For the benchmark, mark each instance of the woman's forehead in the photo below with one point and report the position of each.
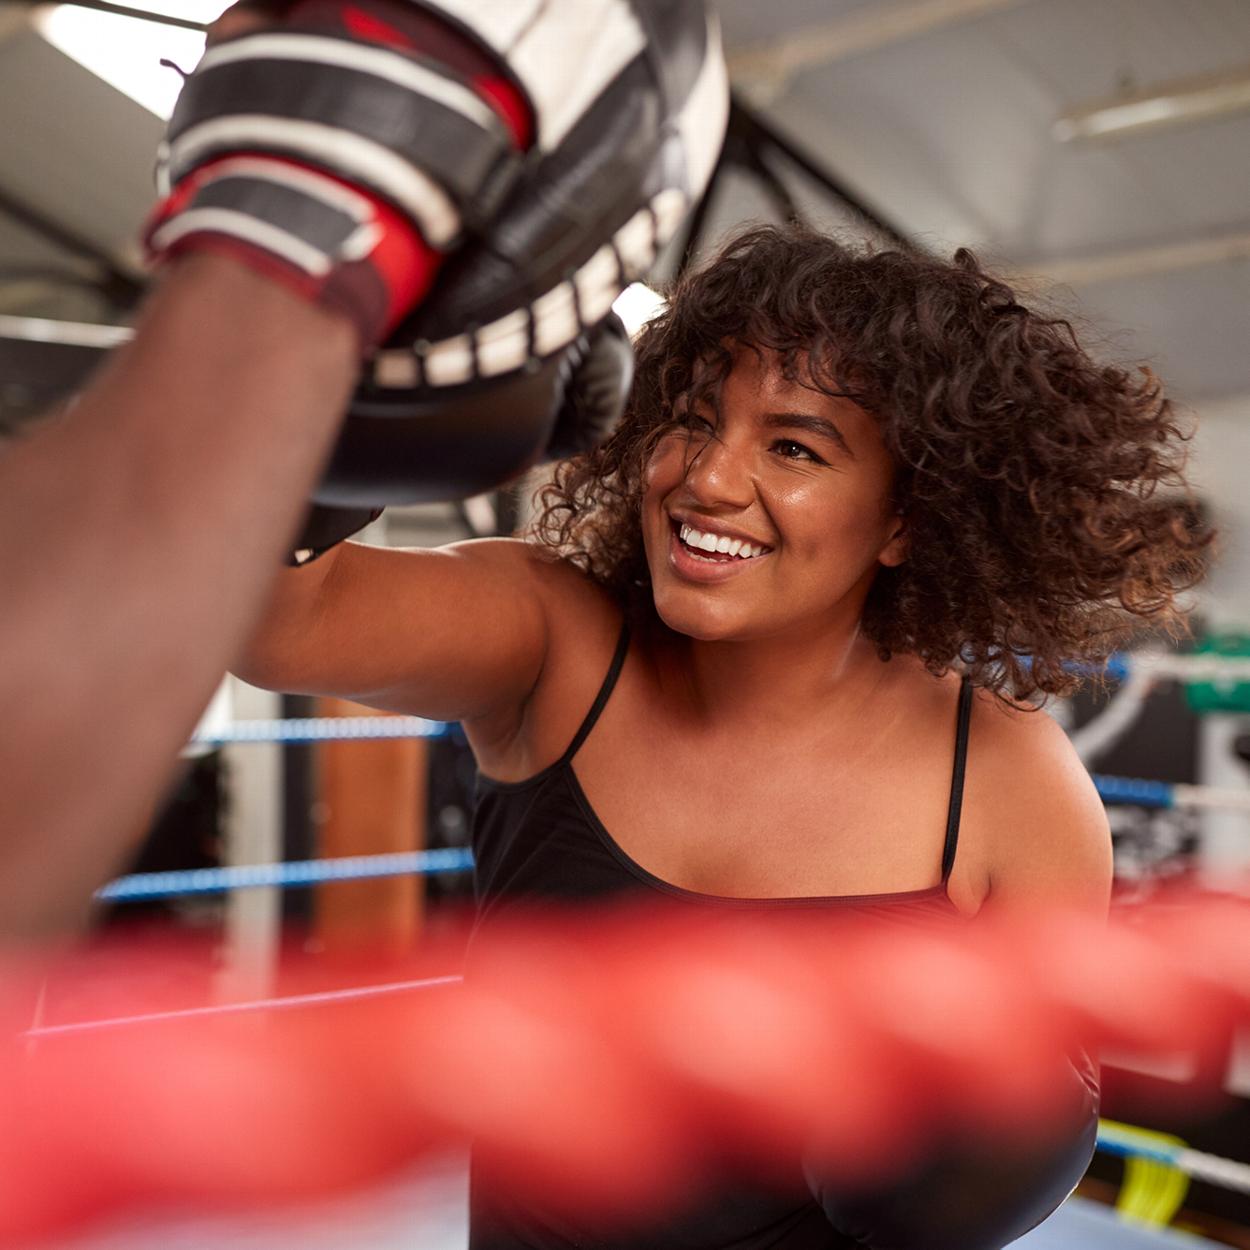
(773, 376)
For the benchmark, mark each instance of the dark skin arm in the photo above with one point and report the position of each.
(139, 533)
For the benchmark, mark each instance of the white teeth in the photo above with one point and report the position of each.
(718, 544)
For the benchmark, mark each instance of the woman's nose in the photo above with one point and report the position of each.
(720, 470)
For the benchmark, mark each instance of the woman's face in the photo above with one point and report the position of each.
(802, 478)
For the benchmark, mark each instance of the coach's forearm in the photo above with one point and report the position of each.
(138, 534)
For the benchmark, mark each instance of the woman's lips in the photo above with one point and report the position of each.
(690, 565)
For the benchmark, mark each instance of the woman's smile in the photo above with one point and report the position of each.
(691, 557)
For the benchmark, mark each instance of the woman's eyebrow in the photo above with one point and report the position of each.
(820, 426)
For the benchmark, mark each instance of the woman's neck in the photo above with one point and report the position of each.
(780, 679)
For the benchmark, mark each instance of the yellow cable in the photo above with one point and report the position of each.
(1151, 1192)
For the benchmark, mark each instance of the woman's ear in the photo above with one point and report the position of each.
(895, 550)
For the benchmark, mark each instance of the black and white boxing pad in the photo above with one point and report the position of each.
(630, 99)
(601, 373)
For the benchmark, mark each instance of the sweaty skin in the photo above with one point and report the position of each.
(750, 703)
(789, 468)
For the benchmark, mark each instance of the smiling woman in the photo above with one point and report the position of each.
(1024, 527)
(801, 477)
(717, 673)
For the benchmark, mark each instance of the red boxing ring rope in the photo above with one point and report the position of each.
(608, 1061)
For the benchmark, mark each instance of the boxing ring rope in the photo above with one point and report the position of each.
(1169, 666)
(136, 887)
(286, 1002)
(1114, 1139)
(309, 729)
(1196, 1164)
(589, 1050)
(1136, 791)
(152, 885)
(1143, 792)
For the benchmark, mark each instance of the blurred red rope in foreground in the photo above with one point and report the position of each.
(608, 1061)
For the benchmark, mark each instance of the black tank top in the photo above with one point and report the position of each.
(540, 839)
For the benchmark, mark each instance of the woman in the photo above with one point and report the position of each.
(861, 510)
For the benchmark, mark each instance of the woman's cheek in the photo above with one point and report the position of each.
(665, 467)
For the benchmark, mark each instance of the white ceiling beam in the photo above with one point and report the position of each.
(1168, 104)
(773, 63)
(1142, 262)
(72, 333)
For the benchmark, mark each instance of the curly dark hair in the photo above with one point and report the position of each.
(1028, 474)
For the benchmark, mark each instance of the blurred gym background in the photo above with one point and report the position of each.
(1097, 153)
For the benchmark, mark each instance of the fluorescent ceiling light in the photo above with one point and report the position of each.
(126, 52)
(1176, 103)
(636, 305)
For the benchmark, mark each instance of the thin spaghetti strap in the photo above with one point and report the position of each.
(601, 699)
(955, 806)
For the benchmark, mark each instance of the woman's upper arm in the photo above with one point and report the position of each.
(1046, 830)
(452, 633)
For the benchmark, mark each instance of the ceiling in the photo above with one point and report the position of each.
(938, 115)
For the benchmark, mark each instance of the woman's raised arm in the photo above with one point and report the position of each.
(455, 633)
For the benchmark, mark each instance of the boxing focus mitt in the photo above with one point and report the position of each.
(347, 147)
(468, 391)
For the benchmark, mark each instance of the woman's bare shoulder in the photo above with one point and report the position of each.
(574, 600)
(566, 591)
(583, 627)
(1043, 823)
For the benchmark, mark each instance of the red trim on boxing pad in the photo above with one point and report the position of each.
(407, 263)
(370, 26)
(506, 99)
(403, 261)
(432, 37)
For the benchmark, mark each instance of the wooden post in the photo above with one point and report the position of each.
(371, 800)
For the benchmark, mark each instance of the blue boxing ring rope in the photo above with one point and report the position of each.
(303, 730)
(150, 885)
(139, 887)
(1138, 791)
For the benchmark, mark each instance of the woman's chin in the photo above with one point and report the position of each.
(700, 621)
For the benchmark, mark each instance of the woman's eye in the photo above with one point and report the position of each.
(692, 421)
(791, 450)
